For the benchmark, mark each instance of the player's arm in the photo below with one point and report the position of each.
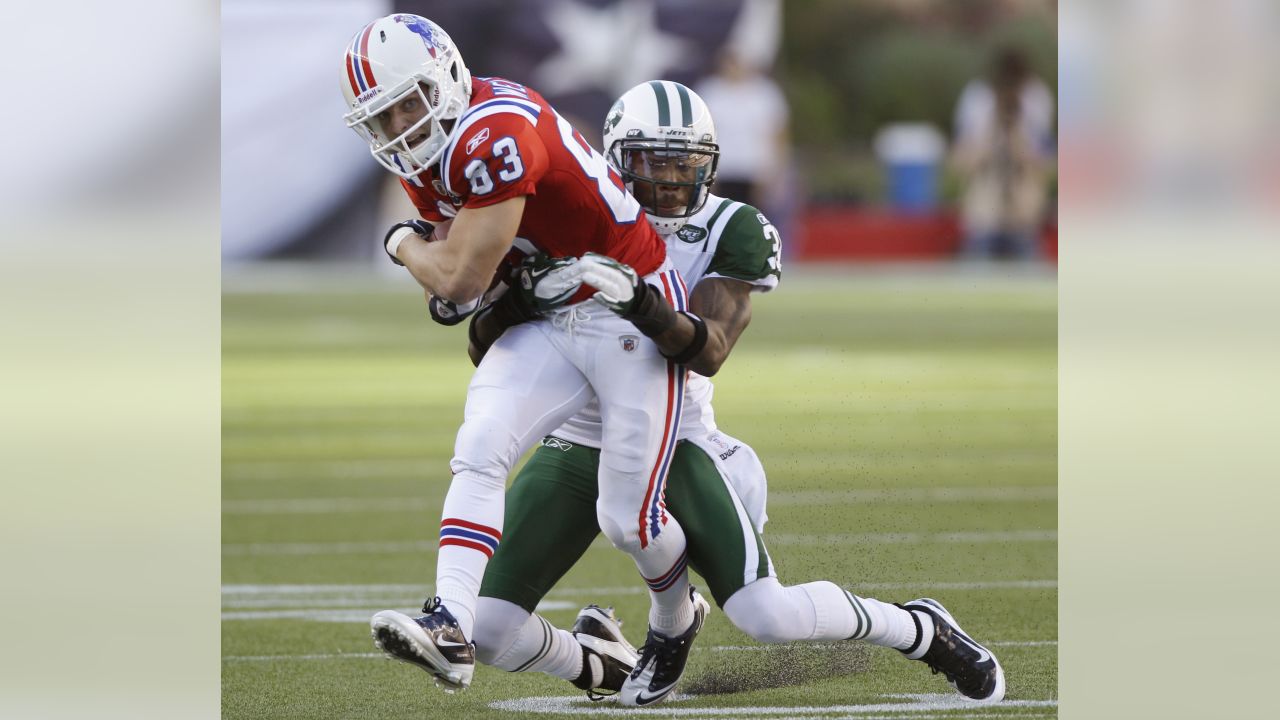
(720, 309)
(748, 258)
(724, 306)
(460, 267)
(539, 285)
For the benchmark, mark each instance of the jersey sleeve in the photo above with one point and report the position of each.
(498, 158)
(428, 206)
(750, 249)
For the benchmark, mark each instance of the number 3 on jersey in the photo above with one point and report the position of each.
(477, 171)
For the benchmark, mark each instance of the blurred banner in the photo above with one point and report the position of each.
(286, 156)
(291, 170)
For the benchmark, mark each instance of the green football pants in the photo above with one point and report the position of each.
(551, 521)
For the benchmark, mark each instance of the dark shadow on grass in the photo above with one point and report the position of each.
(773, 666)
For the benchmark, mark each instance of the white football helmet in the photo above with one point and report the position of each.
(389, 60)
(660, 137)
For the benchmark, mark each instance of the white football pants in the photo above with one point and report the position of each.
(534, 378)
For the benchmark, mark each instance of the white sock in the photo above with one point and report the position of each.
(470, 529)
(541, 647)
(670, 609)
(889, 625)
(821, 610)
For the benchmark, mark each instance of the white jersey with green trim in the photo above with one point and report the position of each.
(725, 239)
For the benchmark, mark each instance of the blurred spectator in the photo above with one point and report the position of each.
(751, 120)
(1003, 149)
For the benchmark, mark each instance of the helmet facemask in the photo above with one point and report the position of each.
(395, 153)
(670, 178)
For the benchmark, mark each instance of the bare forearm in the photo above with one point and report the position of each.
(458, 268)
(438, 268)
(725, 308)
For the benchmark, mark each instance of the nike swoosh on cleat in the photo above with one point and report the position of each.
(642, 700)
(983, 655)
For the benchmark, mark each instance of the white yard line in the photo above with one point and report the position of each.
(1004, 536)
(822, 539)
(1017, 493)
(354, 603)
(784, 498)
(334, 548)
(291, 592)
(911, 706)
(837, 646)
(712, 648)
(307, 470)
(324, 506)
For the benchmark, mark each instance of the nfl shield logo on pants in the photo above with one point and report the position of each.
(629, 342)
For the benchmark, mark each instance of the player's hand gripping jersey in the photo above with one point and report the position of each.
(511, 143)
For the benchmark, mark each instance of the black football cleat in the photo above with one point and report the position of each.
(970, 668)
(662, 660)
(433, 642)
(607, 657)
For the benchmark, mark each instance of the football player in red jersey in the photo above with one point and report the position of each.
(494, 161)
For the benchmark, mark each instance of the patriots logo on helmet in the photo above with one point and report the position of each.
(423, 29)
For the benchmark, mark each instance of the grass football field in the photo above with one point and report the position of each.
(907, 422)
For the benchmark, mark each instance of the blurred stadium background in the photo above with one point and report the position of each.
(902, 395)
(865, 172)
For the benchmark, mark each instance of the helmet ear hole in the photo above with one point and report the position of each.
(453, 70)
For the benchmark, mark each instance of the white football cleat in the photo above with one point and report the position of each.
(433, 642)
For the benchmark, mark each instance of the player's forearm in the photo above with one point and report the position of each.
(438, 267)
(712, 355)
(459, 267)
(724, 308)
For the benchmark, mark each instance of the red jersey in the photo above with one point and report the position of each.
(510, 142)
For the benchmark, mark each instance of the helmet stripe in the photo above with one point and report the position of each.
(364, 58)
(664, 108)
(351, 67)
(686, 105)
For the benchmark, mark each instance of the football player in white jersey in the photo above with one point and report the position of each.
(661, 138)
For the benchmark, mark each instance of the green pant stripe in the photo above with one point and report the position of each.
(542, 652)
(762, 568)
(864, 618)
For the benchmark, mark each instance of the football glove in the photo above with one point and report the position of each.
(617, 284)
(399, 231)
(446, 312)
(620, 289)
(546, 283)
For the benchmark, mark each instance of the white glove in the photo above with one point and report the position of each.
(615, 282)
(548, 283)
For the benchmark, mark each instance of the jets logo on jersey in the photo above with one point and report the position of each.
(629, 343)
(691, 234)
